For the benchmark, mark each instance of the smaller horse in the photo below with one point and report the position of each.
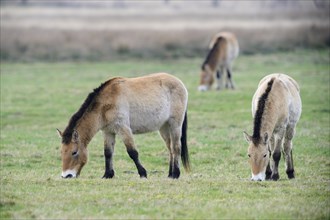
(276, 108)
(127, 106)
(223, 51)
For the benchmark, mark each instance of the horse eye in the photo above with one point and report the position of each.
(249, 155)
(265, 155)
(74, 153)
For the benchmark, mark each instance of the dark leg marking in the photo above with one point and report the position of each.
(276, 158)
(290, 173)
(170, 173)
(228, 74)
(134, 155)
(218, 74)
(268, 172)
(230, 78)
(175, 172)
(109, 172)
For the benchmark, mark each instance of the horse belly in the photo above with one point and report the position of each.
(148, 120)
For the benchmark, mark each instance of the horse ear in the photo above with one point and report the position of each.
(247, 137)
(75, 136)
(60, 134)
(265, 138)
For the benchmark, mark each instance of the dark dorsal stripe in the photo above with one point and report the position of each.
(211, 53)
(86, 106)
(260, 111)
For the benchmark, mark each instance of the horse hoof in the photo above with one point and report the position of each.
(108, 175)
(142, 172)
(290, 174)
(275, 177)
(175, 174)
(143, 176)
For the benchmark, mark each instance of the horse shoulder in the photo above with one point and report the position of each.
(111, 100)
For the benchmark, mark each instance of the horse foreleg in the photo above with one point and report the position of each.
(128, 140)
(276, 157)
(109, 144)
(268, 172)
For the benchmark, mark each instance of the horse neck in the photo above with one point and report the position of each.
(87, 128)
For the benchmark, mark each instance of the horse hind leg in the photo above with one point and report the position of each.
(288, 152)
(229, 79)
(128, 140)
(165, 134)
(219, 79)
(175, 133)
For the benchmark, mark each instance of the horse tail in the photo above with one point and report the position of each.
(184, 147)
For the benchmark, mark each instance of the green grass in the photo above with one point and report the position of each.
(37, 98)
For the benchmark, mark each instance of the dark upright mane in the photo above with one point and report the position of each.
(211, 53)
(260, 110)
(86, 106)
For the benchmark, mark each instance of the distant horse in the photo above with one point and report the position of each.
(127, 106)
(223, 51)
(276, 108)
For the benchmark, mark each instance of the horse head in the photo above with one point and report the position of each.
(74, 155)
(206, 78)
(258, 154)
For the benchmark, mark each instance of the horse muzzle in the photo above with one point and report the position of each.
(259, 177)
(69, 174)
(202, 88)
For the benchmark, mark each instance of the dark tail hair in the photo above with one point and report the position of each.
(184, 147)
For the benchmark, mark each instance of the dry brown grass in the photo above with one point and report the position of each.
(155, 30)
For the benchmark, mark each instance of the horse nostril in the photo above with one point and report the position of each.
(259, 180)
(69, 176)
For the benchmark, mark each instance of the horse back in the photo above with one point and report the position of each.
(145, 103)
(284, 100)
(228, 45)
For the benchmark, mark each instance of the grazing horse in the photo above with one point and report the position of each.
(276, 108)
(223, 50)
(127, 106)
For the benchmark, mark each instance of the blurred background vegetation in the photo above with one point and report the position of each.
(71, 30)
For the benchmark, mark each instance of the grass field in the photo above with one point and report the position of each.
(37, 98)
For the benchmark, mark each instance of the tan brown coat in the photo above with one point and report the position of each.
(127, 106)
(276, 108)
(224, 50)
